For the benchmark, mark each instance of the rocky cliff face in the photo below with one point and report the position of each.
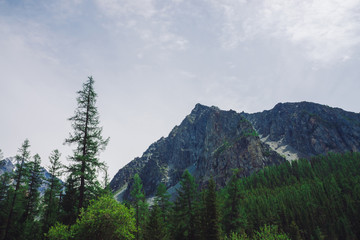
(211, 142)
(208, 142)
(306, 129)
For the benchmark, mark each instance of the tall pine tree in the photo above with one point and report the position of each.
(35, 180)
(19, 175)
(52, 194)
(162, 199)
(234, 214)
(212, 220)
(87, 136)
(186, 220)
(32, 228)
(140, 205)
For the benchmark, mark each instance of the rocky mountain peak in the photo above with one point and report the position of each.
(212, 142)
(208, 142)
(307, 129)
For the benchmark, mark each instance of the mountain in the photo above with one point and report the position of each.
(212, 142)
(304, 129)
(208, 142)
(9, 165)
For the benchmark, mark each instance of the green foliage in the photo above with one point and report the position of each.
(59, 232)
(234, 217)
(35, 180)
(156, 227)
(105, 218)
(87, 137)
(315, 199)
(249, 133)
(267, 232)
(17, 193)
(162, 199)
(270, 233)
(212, 214)
(140, 205)
(52, 194)
(186, 218)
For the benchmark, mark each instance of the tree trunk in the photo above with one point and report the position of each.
(82, 177)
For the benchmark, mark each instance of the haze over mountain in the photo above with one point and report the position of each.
(212, 142)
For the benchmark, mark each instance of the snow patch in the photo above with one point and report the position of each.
(281, 148)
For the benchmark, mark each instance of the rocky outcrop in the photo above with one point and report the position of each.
(208, 142)
(211, 142)
(306, 129)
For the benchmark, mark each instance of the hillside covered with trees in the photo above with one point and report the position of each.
(302, 199)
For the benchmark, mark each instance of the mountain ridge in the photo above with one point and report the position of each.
(212, 142)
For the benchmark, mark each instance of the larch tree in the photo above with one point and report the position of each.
(52, 194)
(162, 199)
(87, 136)
(186, 220)
(31, 228)
(140, 205)
(234, 214)
(212, 220)
(19, 175)
(35, 180)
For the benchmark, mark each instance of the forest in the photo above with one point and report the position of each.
(303, 199)
(317, 199)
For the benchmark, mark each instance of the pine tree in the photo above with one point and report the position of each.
(212, 223)
(234, 214)
(52, 194)
(139, 203)
(19, 175)
(162, 199)
(35, 180)
(69, 211)
(155, 228)
(186, 220)
(32, 199)
(87, 137)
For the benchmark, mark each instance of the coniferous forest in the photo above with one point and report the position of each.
(302, 199)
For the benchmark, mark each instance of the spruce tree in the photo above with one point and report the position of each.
(186, 220)
(87, 136)
(69, 211)
(140, 205)
(35, 180)
(155, 228)
(52, 194)
(19, 175)
(212, 220)
(234, 214)
(31, 227)
(162, 199)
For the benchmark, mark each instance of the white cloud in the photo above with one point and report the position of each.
(326, 30)
(147, 19)
(116, 8)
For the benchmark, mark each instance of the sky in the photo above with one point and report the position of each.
(153, 60)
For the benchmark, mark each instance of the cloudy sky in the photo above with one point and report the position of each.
(153, 60)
